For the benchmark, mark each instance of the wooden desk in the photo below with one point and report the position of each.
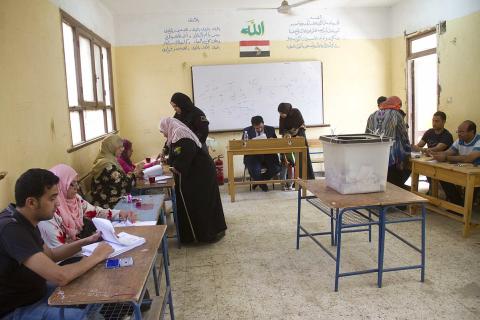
(123, 285)
(354, 213)
(466, 176)
(169, 186)
(265, 146)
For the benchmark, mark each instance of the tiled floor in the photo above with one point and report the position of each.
(254, 272)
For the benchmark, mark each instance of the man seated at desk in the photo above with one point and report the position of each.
(26, 263)
(465, 149)
(437, 138)
(255, 163)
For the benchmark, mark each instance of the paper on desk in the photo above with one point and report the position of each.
(156, 170)
(162, 179)
(120, 243)
(117, 248)
(260, 137)
(127, 223)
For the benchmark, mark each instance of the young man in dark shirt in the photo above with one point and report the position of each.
(26, 263)
(437, 138)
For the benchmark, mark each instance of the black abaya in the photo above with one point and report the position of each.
(199, 187)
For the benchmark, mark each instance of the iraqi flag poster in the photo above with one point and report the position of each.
(254, 48)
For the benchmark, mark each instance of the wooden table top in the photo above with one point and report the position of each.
(100, 285)
(149, 209)
(264, 144)
(393, 195)
(144, 184)
(467, 168)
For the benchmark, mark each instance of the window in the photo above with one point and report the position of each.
(422, 82)
(89, 89)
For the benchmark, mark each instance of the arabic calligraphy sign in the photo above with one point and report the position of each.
(314, 32)
(191, 39)
(252, 29)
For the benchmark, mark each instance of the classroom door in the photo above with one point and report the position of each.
(422, 84)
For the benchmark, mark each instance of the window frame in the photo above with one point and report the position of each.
(79, 30)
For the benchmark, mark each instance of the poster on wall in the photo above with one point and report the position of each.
(252, 47)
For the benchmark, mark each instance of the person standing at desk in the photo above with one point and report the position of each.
(291, 123)
(26, 263)
(191, 116)
(389, 122)
(465, 149)
(199, 210)
(255, 163)
(437, 138)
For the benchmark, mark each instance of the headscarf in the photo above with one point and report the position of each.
(284, 107)
(106, 155)
(127, 145)
(182, 101)
(392, 102)
(175, 130)
(68, 209)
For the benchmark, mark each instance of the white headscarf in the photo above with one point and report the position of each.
(175, 130)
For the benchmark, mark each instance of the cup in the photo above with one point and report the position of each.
(147, 160)
(151, 180)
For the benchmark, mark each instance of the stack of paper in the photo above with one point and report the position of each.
(162, 179)
(120, 243)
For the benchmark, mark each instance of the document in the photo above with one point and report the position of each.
(162, 179)
(120, 243)
(260, 137)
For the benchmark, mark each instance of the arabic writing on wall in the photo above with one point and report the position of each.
(191, 38)
(252, 29)
(314, 32)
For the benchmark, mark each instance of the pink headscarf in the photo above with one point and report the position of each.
(68, 209)
(175, 130)
(392, 102)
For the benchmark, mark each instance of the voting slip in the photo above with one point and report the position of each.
(120, 243)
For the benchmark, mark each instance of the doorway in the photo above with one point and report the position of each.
(422, 82)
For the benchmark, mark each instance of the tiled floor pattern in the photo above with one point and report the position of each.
(254, 272)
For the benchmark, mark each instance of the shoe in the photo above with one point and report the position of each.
(254, 186)
(264, 187)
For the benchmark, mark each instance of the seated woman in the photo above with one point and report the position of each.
(292, 123)
(199, 207)
(109, 181)
(69, 221)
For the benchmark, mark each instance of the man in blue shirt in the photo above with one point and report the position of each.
(465, 149)
(255, 163)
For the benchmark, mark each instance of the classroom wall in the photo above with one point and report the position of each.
(35, 129)
(458, 70)
(354, 74)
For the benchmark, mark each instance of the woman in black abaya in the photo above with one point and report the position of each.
(199, 207)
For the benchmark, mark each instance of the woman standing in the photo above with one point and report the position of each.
(199, 208)
(191, 116)
(291, 122)
(109, 181)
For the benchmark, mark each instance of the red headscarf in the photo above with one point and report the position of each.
(392, 102)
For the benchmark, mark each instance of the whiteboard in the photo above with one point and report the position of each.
(230, 95)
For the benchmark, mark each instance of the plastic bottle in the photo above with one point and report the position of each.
(245, 138)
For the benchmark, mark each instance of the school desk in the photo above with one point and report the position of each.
(125, 285)
(465, 175)
(265, 146)
(357, 213)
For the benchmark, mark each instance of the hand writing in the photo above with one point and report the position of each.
(103, 250)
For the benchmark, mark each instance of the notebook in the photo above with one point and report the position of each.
(120, 243)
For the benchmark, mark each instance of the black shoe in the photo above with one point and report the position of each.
(264, 187)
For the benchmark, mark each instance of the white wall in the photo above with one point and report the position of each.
(91, 13)
(415, 15)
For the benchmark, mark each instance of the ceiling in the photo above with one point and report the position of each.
(134, 7)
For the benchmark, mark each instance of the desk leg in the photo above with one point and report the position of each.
(332, 228)
(167, 277)
(424, 217)
(299, 206)
(297, 170)
(434, 188)
(231, 177)
(414, 187)
(305, 170)
(339, 245)
(381, 243)
(468, 204)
